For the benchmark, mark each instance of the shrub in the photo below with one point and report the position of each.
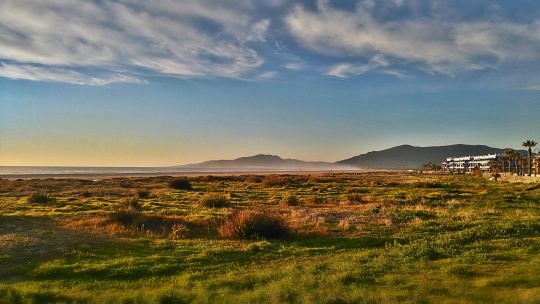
(142, 194)
(179, 231)
(180, 184)
(253, 179)
(273, 180)
(431, 185)
(315, 200)
(352, 199)
(214, 200)
(86, 194)
(41, 199)
(422, 249)
(127, 212)
(130, 203)
(289, 200)
(477, 172)
(249, 224)
(125, 217)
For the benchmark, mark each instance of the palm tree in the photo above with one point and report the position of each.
(503, 163)
(509, 157)
(494, 166)
(529, 144)
(516, 157)
(521, 162)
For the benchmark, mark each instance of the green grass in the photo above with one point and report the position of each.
(368, 238)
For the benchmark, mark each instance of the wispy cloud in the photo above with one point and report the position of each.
(343, 70)
(267, 75)
(107, 41)
(296, 66)
(437, 41)
(21, 71)
(532, 87)
(51, 40)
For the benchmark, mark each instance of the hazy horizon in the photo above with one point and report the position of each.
(232, 158)
(164, 83)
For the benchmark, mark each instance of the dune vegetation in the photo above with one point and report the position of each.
(333, 238)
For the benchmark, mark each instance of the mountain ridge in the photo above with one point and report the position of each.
(400, 157)
(267, 161)
(413, 157)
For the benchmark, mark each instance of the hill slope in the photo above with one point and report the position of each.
(265, 161)
(411, 157)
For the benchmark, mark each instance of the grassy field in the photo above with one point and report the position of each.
(365, 238)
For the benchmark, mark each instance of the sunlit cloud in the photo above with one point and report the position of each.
(344, 70)
(21, 71)
(267, 75)
(437, 42)
(296, 66)
(102, 42)
(189, 38)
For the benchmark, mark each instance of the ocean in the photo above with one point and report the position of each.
(52, 170)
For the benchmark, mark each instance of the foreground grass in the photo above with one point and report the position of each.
(369, 238)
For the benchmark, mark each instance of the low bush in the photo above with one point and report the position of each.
(127, 212)
(179, 231)
(41, 199)
(130, 203)
(289, 200)
(86, 194)
(249, 224)
(477, 172)
(352, 199)
(214, 200)
(315, 200)
(180, 184)
(142, 193)
(431, 185)
(273, 181)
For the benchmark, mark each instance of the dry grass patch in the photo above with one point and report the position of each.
(249, 224)
(41, 199)
(159, 226)
(215, 200)
(290, 200)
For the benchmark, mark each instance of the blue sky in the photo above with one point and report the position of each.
(140, 83)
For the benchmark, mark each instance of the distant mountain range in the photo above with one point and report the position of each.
(411, 157)
(267, 162)
(400, 157)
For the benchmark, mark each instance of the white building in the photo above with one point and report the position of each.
(468, 163)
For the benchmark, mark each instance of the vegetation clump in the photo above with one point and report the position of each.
(290, 200)
(352, 199)
(315, 200)
(41, 199)
(143, 193)
(180, 184)
(275, 181)
(127, 212)
(252, 224)
(215, 200)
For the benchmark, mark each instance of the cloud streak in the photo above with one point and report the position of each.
(53, 40)
(111, 41)
(435, 42)
(18, 71)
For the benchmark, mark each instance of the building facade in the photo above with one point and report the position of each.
(468, 163)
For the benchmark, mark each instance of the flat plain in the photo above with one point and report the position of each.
(383, 237)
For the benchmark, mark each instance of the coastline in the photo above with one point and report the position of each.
(176, 174)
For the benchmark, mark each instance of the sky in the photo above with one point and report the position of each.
(164, 82)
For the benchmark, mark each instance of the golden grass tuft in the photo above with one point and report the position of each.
(249, 224)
